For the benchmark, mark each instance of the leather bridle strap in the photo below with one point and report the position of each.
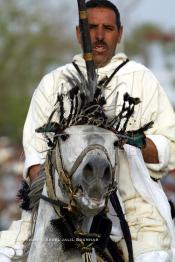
(84, 153)
(53, 159)
(49, 183)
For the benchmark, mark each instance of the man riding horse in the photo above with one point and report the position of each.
(146, 210)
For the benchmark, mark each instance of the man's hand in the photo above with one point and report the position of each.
(150, 153)
(33, 172)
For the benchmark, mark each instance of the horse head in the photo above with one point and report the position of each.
(89, 161)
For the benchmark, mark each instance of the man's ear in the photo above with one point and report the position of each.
(120, 34)
(78, 34)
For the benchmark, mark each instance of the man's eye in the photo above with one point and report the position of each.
(109, 28)
(92, 26)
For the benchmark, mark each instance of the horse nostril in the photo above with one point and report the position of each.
(107, 174)
(88, 171)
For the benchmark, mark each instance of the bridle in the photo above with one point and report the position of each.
(54, 162)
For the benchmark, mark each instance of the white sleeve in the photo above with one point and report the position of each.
(159, 110)
(41, 106)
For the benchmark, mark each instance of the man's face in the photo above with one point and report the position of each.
(104, 34)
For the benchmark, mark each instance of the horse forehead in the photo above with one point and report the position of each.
(91, 134)
(82, 136)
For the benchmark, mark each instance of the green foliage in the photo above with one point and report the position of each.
(138, 42)
(34, 39)
(143, 37)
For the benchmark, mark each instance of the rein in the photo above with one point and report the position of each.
(50, 188)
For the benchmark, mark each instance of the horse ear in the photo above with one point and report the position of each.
(51, 127)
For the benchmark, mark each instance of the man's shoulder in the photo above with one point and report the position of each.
(60, 70)
(128, 68)
(136, 66)
(51, 82)
(141, 75)
(69, 67)
(58, 75)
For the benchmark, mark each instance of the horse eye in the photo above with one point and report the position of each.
(116, 143)
(64, 137)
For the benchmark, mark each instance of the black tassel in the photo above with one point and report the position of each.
(82, 100)
(23, 196)
(101, 225)
(126, 97)
(50, 127)
(71, 108)
(61, 104)
(75, 90)
(75, 107)
(65, 233)
(102, 101)
(97, 93)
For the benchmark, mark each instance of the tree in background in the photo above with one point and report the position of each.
(144, 39)
(138, 44)
(34, 39)
(143, 36)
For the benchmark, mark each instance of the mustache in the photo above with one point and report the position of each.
(99, 42)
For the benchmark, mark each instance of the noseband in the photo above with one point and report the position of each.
(54, 161)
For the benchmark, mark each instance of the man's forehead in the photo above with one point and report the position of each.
(100, 9)
(101, 14)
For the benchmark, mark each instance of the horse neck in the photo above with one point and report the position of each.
(46, 244)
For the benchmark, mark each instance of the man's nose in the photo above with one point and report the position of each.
(100, 34)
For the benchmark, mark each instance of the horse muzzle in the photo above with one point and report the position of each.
(91, 182)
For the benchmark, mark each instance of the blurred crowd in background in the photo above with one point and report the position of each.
(11, 167)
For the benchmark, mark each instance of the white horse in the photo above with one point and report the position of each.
(85, 164)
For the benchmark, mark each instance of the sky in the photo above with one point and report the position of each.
(159, 11)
